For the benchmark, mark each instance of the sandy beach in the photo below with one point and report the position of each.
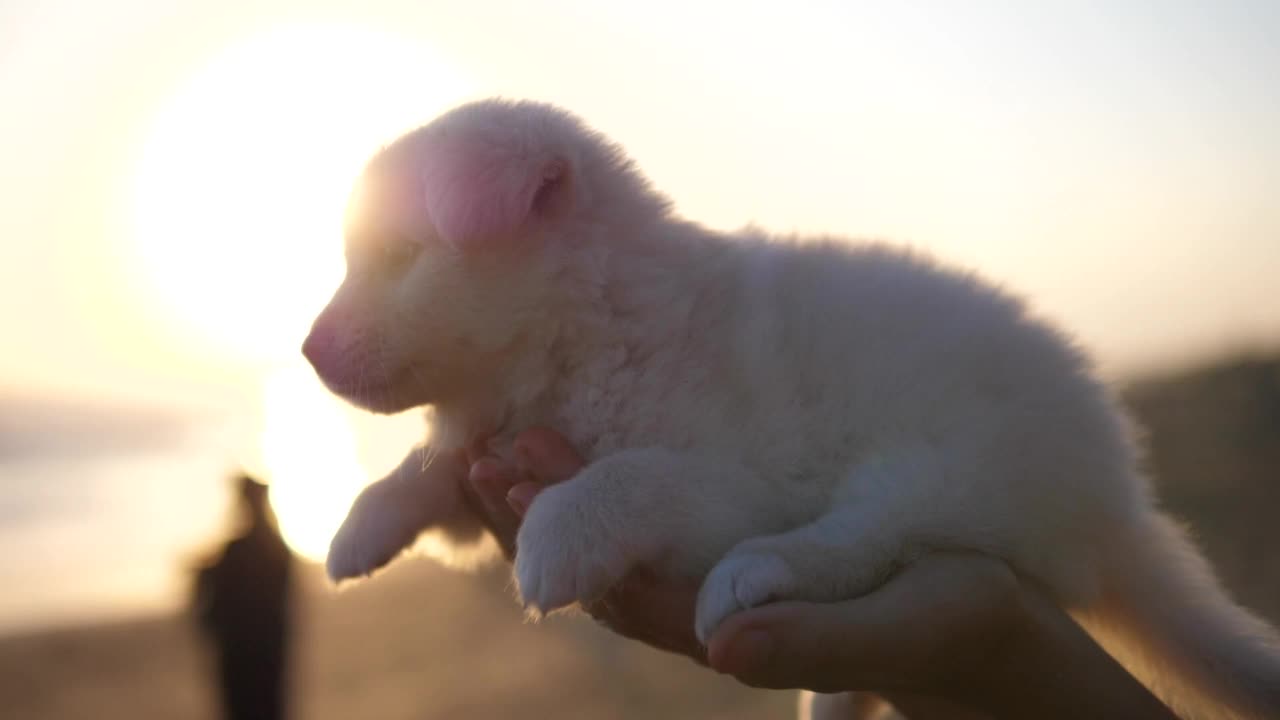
(420, 642)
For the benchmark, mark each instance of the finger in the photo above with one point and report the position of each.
(490, 481)
(823, 647)
(939, 616)
(521, 495)
(547, 456)
(791, 645)
(657, 613)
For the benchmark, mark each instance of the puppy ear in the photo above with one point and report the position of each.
(476, 193)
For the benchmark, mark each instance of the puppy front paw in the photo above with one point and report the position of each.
(742, 580)
(565, 553)
(372, 535)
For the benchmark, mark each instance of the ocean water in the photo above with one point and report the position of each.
(91, 531)
(105, 509)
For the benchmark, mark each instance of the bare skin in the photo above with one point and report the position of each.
(950, 636)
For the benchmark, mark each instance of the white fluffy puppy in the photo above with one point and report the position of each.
(793, 420)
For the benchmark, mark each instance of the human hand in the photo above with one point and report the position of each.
(947, 634)
(915, 615)
(657, 612)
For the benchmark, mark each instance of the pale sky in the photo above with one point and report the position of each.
(171, 178)
(1117, 162)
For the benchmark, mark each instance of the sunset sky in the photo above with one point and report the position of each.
(171, 177)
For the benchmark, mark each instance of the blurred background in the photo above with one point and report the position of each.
(171, 183)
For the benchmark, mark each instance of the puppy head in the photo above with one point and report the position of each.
(450, 238)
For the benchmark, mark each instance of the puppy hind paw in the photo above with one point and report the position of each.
(739, 582)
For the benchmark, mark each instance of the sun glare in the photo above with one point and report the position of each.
(239, 195)
(310, 456)
(242, 179)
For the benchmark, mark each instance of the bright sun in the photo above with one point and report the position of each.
(239, 195)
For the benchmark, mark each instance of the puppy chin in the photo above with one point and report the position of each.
(384, 399)
(381, 404)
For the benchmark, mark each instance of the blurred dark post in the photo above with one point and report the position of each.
(242, 602)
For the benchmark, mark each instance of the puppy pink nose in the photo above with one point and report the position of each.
(318, 349)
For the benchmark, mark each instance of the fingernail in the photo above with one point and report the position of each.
(749, 651)
(520, 496)
(481, 473)
(489, 480)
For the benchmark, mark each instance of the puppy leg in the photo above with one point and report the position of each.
(644, 506)
(387, 517)
(882, 518)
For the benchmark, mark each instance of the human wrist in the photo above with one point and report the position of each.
(1045, 665)
(1028, 647)
(1003, 644)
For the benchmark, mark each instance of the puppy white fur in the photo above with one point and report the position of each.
(792, 419)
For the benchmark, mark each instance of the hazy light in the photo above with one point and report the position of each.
(240, 188)
(309, 455)
(239, 197)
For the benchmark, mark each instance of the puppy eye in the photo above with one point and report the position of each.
(397, 253)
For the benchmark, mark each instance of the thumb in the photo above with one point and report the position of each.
(943, 617)
(829, 647)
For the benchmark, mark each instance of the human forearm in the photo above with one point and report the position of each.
(1050, 668)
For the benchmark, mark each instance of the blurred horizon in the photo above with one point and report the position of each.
(174, 176)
